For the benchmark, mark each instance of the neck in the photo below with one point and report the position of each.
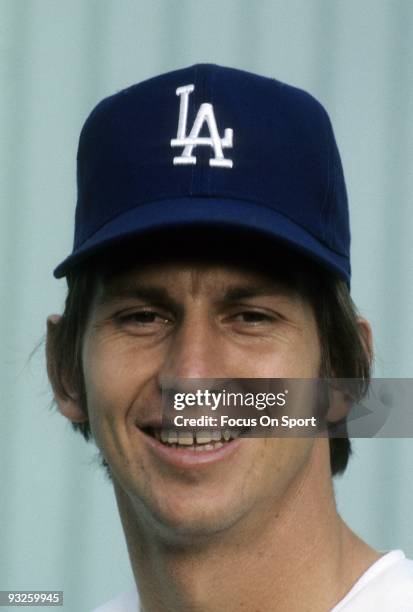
(295, 554)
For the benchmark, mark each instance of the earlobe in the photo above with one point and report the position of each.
(340, 404)
(70, 408)
(66, 398)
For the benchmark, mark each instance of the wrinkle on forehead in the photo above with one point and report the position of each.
(176, 278)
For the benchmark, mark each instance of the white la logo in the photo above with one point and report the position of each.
(205, 113)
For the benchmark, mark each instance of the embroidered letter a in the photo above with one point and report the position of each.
(205, 114)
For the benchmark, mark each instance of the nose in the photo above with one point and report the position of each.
(196, 351)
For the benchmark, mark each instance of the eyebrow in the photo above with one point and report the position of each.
(162, 297)
(237, 293)
(157, 295)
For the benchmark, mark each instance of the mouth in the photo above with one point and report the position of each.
(198, 441)
(191, 448)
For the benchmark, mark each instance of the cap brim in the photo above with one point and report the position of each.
(187, 212)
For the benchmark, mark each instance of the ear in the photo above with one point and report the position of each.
(339, 406)
(340, 401)
(66, 397)
(366, 336)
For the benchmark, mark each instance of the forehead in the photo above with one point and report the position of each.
(195, 277)
(203, 258)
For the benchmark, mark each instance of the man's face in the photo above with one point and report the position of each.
(179, 320)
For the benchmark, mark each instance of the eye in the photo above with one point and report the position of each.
(253, 317)
(143, 318)
(146, 316)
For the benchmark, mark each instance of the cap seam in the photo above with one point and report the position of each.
(324, 206)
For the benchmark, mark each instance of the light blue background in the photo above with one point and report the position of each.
(59, 527)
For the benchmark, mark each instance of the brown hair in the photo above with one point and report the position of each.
(343, 347)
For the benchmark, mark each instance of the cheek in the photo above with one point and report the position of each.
(113, 379)
(295, 454)
(298, 359)
(277, 464)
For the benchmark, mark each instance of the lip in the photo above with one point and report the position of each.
(182, 458)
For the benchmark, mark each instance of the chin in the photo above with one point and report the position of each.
(183, 512)
(189, 530)
(193, 519)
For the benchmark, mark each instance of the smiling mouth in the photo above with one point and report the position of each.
(198, 441)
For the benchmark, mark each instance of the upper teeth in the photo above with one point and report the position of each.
(189, 438)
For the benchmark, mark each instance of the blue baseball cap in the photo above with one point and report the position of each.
(211, 146)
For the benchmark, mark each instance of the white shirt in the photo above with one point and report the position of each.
(386, 586)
